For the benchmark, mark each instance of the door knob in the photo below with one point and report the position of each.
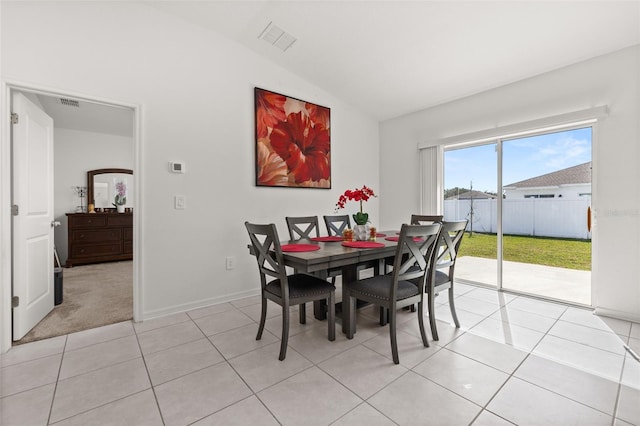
(55, 223)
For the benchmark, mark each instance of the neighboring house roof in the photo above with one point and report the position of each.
(579, 174)
(469, 194)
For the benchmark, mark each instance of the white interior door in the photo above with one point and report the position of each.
(32, 144)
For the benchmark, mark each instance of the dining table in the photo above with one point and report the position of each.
(326, 254)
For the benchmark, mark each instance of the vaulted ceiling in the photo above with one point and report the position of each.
(390, 58)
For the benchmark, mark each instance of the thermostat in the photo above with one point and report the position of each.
(176, 167)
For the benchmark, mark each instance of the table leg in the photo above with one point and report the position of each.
(349, 274)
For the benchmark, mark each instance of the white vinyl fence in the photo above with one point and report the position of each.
(540, 217)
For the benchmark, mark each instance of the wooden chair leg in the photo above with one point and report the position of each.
(453, 307)
(332, 316)
(393, 336)
(285, 333)
(432, 314)
(423, 334)
(303, 313)
(384, 316)
(263, 317)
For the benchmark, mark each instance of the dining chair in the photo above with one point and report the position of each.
(421, 219)
(416, 219)
(337, 224)
(302, 227)
(403, 287)
(442, 274)
(282, 289)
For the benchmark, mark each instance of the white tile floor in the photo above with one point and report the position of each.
(514, 361)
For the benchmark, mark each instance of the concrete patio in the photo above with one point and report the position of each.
(546, 281)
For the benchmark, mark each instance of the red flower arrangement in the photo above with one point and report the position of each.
(362, 194)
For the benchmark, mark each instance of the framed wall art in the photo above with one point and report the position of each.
(293, 142)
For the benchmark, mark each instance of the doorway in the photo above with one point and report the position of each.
(527, 200)
(88, 132)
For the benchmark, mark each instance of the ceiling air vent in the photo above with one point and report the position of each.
(277, 37)
(69, 102)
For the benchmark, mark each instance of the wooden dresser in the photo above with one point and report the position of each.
(99, 237)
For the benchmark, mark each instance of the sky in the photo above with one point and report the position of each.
(523, 158)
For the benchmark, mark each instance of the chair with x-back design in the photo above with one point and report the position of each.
(303, 227)
(285, 290)
(337, 224)
(403, 287)
(441, 276)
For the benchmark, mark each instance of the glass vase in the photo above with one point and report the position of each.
(361, 232)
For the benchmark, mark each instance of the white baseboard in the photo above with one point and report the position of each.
(612, 313)
(147, 315)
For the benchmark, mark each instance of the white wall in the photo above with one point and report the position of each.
(195, 90)
(75, 153)
(608, 80)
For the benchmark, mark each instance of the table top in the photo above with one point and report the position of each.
(334, 254)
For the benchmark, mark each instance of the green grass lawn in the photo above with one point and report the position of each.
(561, 252)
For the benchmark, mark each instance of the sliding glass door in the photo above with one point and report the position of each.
(546, 243)
(471, 188)
(527, 201)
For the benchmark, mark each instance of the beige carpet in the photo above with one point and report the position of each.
(94, 295)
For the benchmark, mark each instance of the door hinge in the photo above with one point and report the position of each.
(15, 301)
(14, 118)
(15, 210)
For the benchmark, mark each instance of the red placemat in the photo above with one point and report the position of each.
(362, 244)
(300, 247)
(327, 239)
(378, 235)
(416, 239)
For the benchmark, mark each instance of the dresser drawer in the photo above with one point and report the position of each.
(128, 234)
(96, 236)
(87, 221)
(82, 250)
(119, 219)
(128, 247)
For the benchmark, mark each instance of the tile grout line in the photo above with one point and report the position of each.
(512, 375)
(153, 388)
(55, 388)
(549, 390)
(225, 360)
(619, 393)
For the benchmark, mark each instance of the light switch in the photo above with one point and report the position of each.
(180, 202)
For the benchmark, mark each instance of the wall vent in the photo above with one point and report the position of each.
(277, 37)
(69, 102)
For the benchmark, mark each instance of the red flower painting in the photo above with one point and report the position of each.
(293, 142)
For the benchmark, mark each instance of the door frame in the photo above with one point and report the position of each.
(6, 175)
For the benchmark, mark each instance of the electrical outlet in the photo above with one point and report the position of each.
(231, 262)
